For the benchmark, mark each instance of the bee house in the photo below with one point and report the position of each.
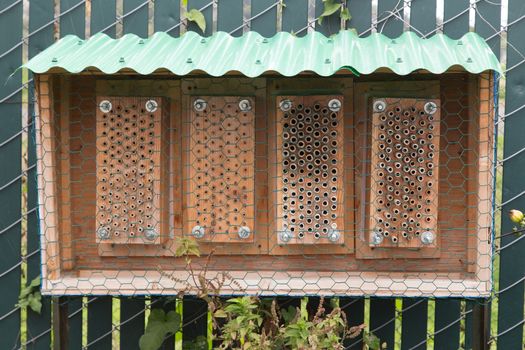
(323, 175)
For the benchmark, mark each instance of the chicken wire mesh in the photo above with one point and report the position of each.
(384, 188)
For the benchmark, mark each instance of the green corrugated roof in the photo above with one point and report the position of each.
(252, 54)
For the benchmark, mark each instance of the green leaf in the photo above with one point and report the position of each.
(330, 7)
(220, 314)
(34, 301)
(288, 314)
(345, 14)
(172, 324)
(372, 341)
(151, 341)
(30, 296)
(196, 16)
(184, 3)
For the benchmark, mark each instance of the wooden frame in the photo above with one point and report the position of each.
(297, 270)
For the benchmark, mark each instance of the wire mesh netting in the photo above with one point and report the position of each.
(345, 194)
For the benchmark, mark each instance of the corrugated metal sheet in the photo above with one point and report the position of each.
(252, 54)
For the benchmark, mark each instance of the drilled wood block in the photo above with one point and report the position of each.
(221, 206)
(403, 209)
(310, 170)
(132, 169)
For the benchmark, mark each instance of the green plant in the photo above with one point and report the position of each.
(30, 296)
(160, 325)
(332, 6)
(195, 16)
(251, 322)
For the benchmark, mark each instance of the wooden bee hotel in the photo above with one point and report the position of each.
(300, 165)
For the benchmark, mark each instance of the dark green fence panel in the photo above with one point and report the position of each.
(74, 322)
(422, 16)
(194, 319)
(388, 22)
(469, 326)
(73, 17)
(330, 25)
(361, 12)
(136, 17)
(103, 17)
(488, 22)
(354, 308)
(131, 322)
(455, 18)
(10, 181)
(382, 319)
(295, 17)
(446, 324)
(167, 17)
(40, 21)
(414, 327)
(264, 24)
(512, 259)
(230, 16)
(99, 323)
(207, 11)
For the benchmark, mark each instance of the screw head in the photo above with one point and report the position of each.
(376, 238)
(379, 106)
(334, 105)
(151, 106)
(103, 233)
(427, 237)
(245, 105)
(285, 105)
(105, 106)
(285, 236)
(198, 231)
(199, 105)
(150, 234)
(430, 107)
(244, 232)
(334, 235)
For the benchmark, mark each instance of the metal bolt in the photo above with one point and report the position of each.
(334, 105)
(245, 105)
(189, 60)
(197, 231)
(430, 107)
(376, 238)
(285, 236)
(334, 235)
(379, 106)
(151, 105)
(121, 60)
(141, 42)
(244, 232)
(103, 233)
(54, 60)
(105, 106)
(285, 105)
(150, 234)
(327, 61)
(427, 237)
(200, 105)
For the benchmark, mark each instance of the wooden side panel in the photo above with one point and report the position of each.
(222, 169)
(310, 181)
(132, 133)
(46, 134)
(405, 173)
